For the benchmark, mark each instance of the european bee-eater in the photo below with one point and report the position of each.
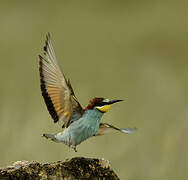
(78, 123)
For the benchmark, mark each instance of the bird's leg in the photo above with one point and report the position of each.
(74, 147)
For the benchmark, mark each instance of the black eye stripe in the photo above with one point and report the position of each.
(101, 103)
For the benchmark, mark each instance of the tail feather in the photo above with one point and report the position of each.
(128, 130)
(51, 137)
(105, 128)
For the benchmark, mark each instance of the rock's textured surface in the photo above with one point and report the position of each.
(75, 168)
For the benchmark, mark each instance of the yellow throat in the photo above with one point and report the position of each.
(104, 108)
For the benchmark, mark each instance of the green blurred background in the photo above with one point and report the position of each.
(112, 49)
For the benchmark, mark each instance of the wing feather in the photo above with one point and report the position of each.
(56, 90)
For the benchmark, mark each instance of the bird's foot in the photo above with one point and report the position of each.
(74, 147)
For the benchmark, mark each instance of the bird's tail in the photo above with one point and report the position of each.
(105, 128)
(51, 137)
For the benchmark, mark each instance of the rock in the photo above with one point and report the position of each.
(75, 168)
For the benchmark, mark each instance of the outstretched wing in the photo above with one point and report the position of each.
(105, 128)
(56, 90)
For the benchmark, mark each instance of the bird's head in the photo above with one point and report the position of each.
(101, 104)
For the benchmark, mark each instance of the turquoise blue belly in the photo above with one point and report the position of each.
(82, 129)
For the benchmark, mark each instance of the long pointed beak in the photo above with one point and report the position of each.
(114, 101)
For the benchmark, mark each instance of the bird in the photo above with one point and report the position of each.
(78, 123)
